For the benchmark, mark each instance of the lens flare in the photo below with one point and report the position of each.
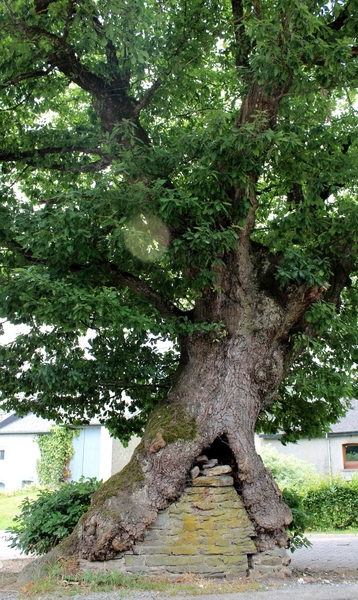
(146, 237)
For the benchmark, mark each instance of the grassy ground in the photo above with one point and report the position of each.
(66, 581)
(10, 503)
(65, 577)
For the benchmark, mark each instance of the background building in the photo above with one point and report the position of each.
(335, 453)
(97, 454)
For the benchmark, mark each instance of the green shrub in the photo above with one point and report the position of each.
(45, 521)
(288, 471)
(292, 477)
(332, 504)
(300, 519)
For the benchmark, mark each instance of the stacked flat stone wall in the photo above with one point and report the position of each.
(206, 532)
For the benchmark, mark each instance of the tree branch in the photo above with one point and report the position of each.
(113, 104)
(30, 157)
(112, 59)
(71, 10)
(242, 41)
(41, 6)
(115, 278)
(342, 18)
(145, 100)
(93, 167)
(141, 288)
(342, 268)
(40, 152)
(33, 74)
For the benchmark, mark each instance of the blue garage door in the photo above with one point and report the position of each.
(87, 453)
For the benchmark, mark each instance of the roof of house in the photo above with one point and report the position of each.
(29, 424)
(3, 415)
(12, 424)
(349, 423)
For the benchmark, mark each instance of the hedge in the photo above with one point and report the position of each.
(332, 504)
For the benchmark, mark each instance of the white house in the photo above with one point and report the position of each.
(336, 453)
(97, 454)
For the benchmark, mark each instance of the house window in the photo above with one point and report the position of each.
(2, 454)
(350, 456)
(26, 482)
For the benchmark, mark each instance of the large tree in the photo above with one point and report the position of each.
(180, 171)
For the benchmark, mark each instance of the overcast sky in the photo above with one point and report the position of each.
(11, 331)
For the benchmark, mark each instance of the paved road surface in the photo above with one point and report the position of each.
(338, 551)
(7, 553)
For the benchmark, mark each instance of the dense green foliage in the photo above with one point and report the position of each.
(293, 477)
(332, 504)
(43, 522)
(132, 161)
(56, 451)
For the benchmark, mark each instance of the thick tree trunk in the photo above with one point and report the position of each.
(221, 386)
(216, 395)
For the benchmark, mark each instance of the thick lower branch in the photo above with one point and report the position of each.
(21, 155)
(142, 288)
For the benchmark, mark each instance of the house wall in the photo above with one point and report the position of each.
(97, 454)
(19, 464)
(121, 455)
(106, 454)
(326, 454)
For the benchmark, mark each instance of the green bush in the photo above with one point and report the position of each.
(292, 476)
(288, 471)
(45, 521)
(332, 504)
(300, 519)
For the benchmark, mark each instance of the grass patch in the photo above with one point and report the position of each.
(65, 576)
(10, 504)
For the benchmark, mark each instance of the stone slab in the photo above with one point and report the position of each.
(194, 472)
(214, 471)
(218, 481)
(211, 463)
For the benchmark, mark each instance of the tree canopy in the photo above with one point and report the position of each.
(140, 140)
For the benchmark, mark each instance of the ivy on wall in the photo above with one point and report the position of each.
(56, 451)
